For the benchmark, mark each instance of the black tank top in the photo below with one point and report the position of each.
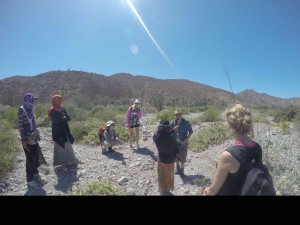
(234, 181)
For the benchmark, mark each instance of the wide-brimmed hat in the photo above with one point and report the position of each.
(109, 123)
(137, 101)
(177, 111)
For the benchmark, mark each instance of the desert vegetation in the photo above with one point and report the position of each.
(277, 130)
(97, 188)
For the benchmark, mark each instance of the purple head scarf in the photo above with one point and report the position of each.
(28, 104)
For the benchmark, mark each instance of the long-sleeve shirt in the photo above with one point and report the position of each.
(60, 127)
(183, 130)
(25, 124)
(110, 136)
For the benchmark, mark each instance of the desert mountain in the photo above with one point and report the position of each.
(251, 97)
(102, 89)
(122, 88)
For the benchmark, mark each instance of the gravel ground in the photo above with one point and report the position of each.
(133, 171)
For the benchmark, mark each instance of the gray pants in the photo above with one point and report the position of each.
(181, 156)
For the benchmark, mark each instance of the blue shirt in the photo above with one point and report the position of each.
(183, 130)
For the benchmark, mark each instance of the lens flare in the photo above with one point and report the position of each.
(131, 6)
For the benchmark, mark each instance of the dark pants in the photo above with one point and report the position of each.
(32, 162)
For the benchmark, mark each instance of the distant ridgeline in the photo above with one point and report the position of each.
(79, 87)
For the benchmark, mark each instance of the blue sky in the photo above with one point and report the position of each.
(258, 41)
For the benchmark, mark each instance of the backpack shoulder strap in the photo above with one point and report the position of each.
(235, 151)
(239, 153)
(24, 111)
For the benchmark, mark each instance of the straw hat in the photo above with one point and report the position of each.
(178, 111)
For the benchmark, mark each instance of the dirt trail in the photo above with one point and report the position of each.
(133, 171)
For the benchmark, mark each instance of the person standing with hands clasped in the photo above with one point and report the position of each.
(29, 138)
(63, 155)
(230, 175)
(132, 121)
(182, 132)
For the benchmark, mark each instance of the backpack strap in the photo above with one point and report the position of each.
(29, 120)
(240, 154)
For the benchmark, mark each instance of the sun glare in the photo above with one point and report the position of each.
(133, 9)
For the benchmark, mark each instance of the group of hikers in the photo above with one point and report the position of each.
(170, 138)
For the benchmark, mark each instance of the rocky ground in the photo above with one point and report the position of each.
(133, 171)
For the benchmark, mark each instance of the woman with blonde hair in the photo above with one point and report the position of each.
(230, 175)
(132, 121)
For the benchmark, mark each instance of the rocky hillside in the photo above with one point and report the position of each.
(251, 97)
(101, 89)
(123, 87)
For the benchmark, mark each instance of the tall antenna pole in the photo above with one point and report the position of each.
(227, 74)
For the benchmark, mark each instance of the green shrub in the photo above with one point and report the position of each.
(296, 122)
(76, 113)
(10, 147)
(212, 114)
(80, 129)
(282, 159)
(122, 132)
(287, 114)
(151, 121)
(120, 109)
(10, 114)
(165, 114)
(198, 109)
(148, 109)
(96, 188)
(285, 127)
(196, 120)
(215, 134)
(107, 114)
(41, 110)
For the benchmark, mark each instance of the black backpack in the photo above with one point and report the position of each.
(258, 181)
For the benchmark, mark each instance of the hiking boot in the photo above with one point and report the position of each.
(57, 169)
(32, 183)
(181, 172)
(177, 169)
(39, 178)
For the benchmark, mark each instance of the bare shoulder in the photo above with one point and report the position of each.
(226, 157)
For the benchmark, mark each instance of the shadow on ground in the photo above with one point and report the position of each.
(114, 155)
(65, 179)
(198, 180)
(146, 151)
(35, 191)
